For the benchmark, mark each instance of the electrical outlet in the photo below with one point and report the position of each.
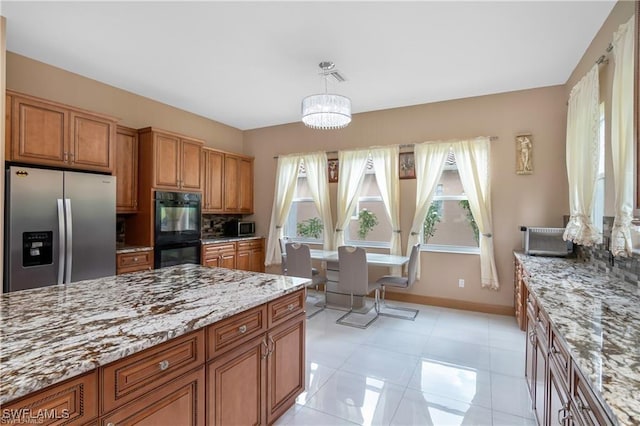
(461, 283)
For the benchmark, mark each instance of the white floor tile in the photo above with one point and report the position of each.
(510, 395)
(328, 351)
(511, 340)
(468, 385)
(462, 332)
(360, 399)
(308, 417)
(460, 353)
(504, 419)
(317, 376)
(381, 364)
(419, 408)
(398, 341)
(507, 362)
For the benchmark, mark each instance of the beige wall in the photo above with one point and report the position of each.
(39, 79)
(538, 199)
(3, 58)
(622, 11)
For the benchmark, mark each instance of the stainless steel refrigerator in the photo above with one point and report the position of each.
(60, 227)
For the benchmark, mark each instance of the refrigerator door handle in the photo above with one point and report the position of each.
(67, 205)
(61, 241)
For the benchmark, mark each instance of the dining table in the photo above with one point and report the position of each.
(337, 299)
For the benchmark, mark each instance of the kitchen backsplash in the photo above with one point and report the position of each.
(213, 225)
(624, 268)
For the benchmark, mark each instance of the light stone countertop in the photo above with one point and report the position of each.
(227, 239)
(58, 332)
(598, 317)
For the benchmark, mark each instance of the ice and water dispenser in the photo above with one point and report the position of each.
(37, 248)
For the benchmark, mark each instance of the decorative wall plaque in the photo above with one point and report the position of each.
(524, 155)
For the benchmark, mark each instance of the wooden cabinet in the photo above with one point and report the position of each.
(73, 402)
(213, 185)
(250, 255)
(52, 134)
(255, 382)
(236, 330)
(221, 255)
(126, 170)
(179, 402)
(134, 262)
(520, 295)
(176, 160)
(559, 393)
(238, 184)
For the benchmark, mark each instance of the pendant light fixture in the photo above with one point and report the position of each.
(326, 111)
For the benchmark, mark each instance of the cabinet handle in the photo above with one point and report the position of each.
(266, 348)
(564, 414)
(242, 329)
(290, 307)
(532, 337)
(65, 156)
(554, 351)
(163, 365)
(272, 344)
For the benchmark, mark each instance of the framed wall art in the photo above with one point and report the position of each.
(332, 170)
(407, 166)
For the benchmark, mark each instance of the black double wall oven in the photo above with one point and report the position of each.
(177, 228)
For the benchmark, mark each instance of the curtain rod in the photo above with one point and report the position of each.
(603, 58)
(404, 145)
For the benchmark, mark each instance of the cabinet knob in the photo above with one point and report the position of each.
(163, 365)
(242, 329)
(581, 406)
(290, 307)
(110, 424)
(135, 259)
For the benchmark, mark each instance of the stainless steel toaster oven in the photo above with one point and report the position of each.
(545, 241)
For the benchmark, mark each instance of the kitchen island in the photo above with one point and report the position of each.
(583, 343)
(131, 333)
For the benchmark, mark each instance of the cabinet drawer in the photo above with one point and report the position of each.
(249, 245)
(235, 330)
(133, 262)
(560, 356)
(215, 250)
(74, 402)
(138, 374)
(286, 307)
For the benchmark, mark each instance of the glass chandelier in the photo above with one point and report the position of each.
(326, 111)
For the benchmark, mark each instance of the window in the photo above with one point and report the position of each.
(369, 226)
(304, 223)
(597, 214)
(449, 225)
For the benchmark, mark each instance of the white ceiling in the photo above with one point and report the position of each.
(249, 64)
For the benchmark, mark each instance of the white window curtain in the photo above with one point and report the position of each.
(385, 166)
(286, 179)
(472, 157)
(352, 166)
(429, 162)
(583, 129)
(315, 165)
(622, 138)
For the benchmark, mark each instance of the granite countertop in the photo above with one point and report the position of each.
(131, 249)
(598, 317)
(54, 333)
(214, 240)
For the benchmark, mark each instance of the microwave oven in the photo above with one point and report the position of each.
(545, 241)
(239, 228)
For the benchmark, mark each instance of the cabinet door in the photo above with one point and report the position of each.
(92, 142)
(214, 181)
(257, 260)
(180, 402)
(231, 184)
(191, 165)
(540, 380)
(126, 170)
(245, 177)
(40, 133)
(559, 413)
(167, 161)
(7, 126)
(236, 385)
(228, 260)
(530, 361)
(286, 370)
(243, 260)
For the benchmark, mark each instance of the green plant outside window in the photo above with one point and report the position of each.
(367, 220)
(434, 216)
(310, 228)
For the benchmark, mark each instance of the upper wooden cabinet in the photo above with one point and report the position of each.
(238, 184)
(52, 134)
(177, 159)
(126, 170)
(228, 183)
(213, 185)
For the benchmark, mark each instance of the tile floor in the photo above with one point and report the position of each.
(448, 367)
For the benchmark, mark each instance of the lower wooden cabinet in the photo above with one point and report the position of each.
(180, 402)
(246, 255)
(73, 402)
(220, 255)
(250, 255)
(134, 262)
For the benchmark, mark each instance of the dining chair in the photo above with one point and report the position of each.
(353, 279)
(401, 282)
(283, 253)
(299, 265)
